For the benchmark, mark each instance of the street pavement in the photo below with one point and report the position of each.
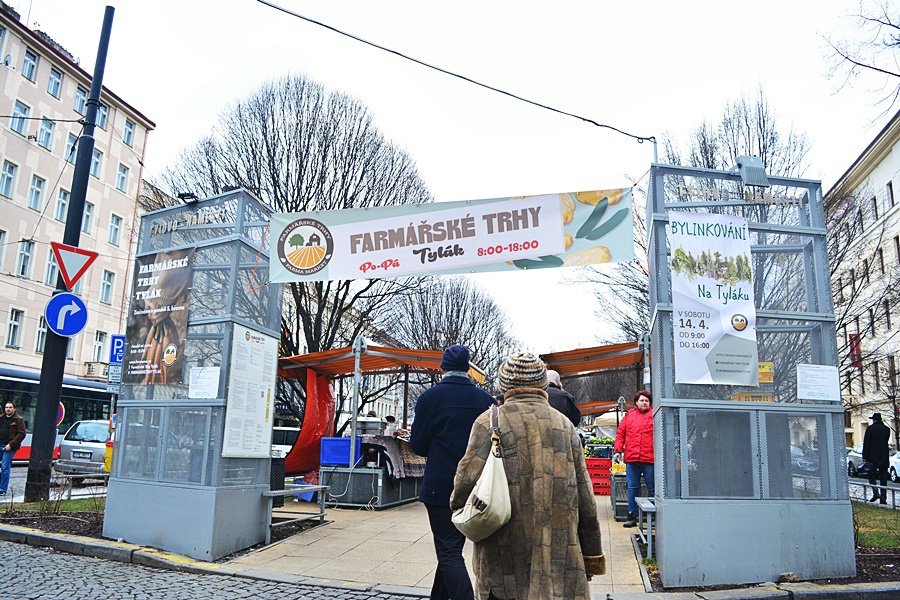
(31, 573)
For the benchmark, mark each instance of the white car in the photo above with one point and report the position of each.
(894, 468)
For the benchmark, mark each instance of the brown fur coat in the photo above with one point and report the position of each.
(540, 554)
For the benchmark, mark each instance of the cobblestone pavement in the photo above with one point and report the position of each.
(31, 573)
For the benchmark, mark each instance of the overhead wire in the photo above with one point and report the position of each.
(640, 139)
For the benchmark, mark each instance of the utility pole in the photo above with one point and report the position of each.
(37, 485)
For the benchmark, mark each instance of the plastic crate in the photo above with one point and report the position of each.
(604, 463)
(305, 496)
(619, 496)
(601, 488)
(336, 451)
(600, 479)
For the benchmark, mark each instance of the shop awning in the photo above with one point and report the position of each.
(597, 358)
(373, 360)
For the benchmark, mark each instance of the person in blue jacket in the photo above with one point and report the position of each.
(444, 417)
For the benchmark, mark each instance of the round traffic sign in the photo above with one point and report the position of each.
(66, 314)
(60, 414)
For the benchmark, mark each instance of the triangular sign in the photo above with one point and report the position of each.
(73, 262)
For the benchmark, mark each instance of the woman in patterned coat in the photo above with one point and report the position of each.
(551, 546)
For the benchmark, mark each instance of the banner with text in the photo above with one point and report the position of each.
(157, 318)
(502, 234)
(714, 317)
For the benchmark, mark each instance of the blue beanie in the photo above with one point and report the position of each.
(456, 358)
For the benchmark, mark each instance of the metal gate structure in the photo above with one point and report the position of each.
(750, 481)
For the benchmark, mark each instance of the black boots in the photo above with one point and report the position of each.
(631, 521)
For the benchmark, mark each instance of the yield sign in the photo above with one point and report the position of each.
(73, 262)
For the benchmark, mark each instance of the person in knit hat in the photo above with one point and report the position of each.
(553, 511)
(444, 417)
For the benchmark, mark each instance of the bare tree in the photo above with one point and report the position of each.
(873, 51)
(748, 126)
(299, 147)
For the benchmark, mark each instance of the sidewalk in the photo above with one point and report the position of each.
(394, 547)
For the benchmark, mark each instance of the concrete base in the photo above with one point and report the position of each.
(183, 520)
(706, 542)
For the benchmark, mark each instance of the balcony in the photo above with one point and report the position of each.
(95, 370)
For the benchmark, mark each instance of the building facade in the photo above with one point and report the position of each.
(864, 250)
(44, 100)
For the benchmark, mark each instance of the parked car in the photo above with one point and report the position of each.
(804, 462)
(83, 450)
(894, 468)
(856, 467)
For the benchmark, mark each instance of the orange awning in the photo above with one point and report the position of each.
(597, 358)
(374, 359)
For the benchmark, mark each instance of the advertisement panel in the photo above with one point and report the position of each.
(714, 316)
(157, 318)
(502, 234)
(250, 408)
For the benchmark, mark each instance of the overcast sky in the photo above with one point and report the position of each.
(650, 68)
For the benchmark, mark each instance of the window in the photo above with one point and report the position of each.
(52, 269)
(866, 270)
(70, 348)
(54, 84)
(7, 178)
(87, 217)
(23, 262)
(887, 314)
(881, 260)
(71, 147)
(96, 162)
(20, 114)
(41, 337)
(115, 229)
(14, 327)
(875, 207)
(36, 193)
(80, 100)
(99, 346)
(29, 65)
(102, 114)
(892, 371)
(106, 286)
(890, 192)
(896, 246)
(128, 133)
(2, 247)
(872, 322)
(62, 205)
(876, 375)
(122, 178)
(840, 289)
(45, 134)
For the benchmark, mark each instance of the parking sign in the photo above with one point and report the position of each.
(117, 349)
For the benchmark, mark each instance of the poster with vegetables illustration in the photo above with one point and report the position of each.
(714, 317)
(157, 318)
(500, 234)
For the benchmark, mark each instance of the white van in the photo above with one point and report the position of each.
(283, 440)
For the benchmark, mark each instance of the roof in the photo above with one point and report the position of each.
(880, 146)
(597, 358)
(374, 359)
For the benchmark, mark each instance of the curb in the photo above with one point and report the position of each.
(160, 559)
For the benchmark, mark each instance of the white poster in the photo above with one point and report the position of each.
(714, 318)
(818, 382)
(250, 407)
(204, 382)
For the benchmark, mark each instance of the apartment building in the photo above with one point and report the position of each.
(864, 249)
(43, 103)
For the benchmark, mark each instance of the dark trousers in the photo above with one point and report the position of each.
(879, 471)
(451, 580)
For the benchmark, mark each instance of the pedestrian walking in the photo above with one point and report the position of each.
(635, 438)
(560, 399)
(444, 417)
(875, 452)
(12, 432)
(550, 548)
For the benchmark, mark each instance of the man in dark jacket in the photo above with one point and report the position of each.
(444, 417)
(12, 432)
(560, 399)
(875, 452)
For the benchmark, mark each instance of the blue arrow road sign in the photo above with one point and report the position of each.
(117, 349)
(66, 314)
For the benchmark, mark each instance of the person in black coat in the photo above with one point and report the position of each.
(444, 418)
(562, 400)
(875, 452)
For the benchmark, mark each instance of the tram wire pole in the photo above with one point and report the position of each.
(43, 439)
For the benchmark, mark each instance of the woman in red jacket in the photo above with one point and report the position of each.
(635, 434)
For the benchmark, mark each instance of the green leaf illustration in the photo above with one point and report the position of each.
(593, 218)
(610, 224)
(544, 262)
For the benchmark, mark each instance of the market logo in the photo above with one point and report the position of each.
(170, 354)
(739, 322)
(305, 246)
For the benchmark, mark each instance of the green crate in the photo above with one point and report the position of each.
(618, 496)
